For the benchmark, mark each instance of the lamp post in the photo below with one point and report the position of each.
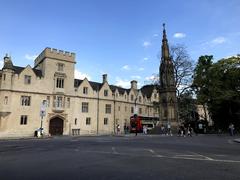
(42, 114)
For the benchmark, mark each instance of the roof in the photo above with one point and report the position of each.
(120, 89)
(18, 70)
(147, 90)
(95, 85)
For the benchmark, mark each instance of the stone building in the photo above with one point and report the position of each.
(73, 106)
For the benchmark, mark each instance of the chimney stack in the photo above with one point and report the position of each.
(104, 78)
(134, 84)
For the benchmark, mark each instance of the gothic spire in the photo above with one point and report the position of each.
(165, 48)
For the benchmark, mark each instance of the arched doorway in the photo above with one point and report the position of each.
(56, 126)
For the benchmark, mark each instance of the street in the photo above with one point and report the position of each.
(121, 157)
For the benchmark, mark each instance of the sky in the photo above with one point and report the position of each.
(121, 38)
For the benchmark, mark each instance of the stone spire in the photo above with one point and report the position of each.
(167, 88)
(165, 48)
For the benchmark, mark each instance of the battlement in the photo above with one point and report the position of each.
(55, 54)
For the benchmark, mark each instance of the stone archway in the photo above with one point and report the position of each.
(56, 126)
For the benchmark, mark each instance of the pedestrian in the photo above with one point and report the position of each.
(162, 129)
(182, 130)
(189, 130)
(144, 129)
(231, 129)
(136, 128)
(169, 132)
(118, 129)
(125, 128)
(179, 131)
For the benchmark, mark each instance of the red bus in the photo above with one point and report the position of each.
(136, 123)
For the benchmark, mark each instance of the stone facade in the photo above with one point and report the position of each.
(73, 106)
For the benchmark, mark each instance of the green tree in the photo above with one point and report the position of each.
(187, 108)
(218, 86)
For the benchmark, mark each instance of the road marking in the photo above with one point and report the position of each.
(230, 141)
(114, 150)
(208, 158)
(153, 153)
(183, 157)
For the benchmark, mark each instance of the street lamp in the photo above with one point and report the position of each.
(42, 114)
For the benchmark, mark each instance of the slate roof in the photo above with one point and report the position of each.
(18, 70)
(146, 90)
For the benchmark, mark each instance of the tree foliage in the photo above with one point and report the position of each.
(218, 86)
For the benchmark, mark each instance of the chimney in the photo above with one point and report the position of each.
(134, 84)
(104, 78)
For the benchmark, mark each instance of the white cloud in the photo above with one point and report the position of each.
(1, 64)
(179, 35)
(122, 83)
(80, 75)
(151, 78)
(136, 77)
(141, 69)
(146, 58)
(155, 35)
(126, 67)
(214, 42)
(146, 44)
(219, 40)
(30, 57)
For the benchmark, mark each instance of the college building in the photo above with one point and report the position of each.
(49, 93)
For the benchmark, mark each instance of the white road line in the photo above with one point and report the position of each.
(208, 158)
(114, 150)
(184, 157)
(153, 153)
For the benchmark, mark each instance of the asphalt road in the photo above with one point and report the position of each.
(121, 157)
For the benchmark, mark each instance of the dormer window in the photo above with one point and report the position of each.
(140, 99)
(131, 97)
(85, 90)
(155, 96)
(105, 92)
(60, 66)
(27, 79)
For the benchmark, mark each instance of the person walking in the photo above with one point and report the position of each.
(231, 129)
(118, 129)
(189, 130)
(144, 129)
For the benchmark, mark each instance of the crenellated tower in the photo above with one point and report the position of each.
(167, 90)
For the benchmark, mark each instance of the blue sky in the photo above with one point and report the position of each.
(119, 37)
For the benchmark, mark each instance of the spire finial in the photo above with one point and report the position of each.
(165, 48)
